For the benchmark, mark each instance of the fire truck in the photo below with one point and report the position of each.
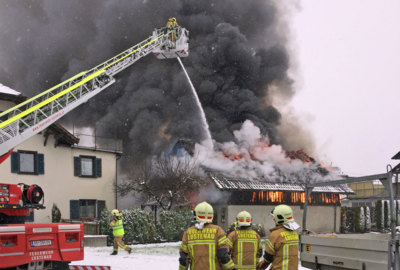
(53, 246)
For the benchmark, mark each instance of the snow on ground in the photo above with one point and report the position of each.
(143, 257)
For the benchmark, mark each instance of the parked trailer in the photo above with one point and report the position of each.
(347, 251)
(352, 251)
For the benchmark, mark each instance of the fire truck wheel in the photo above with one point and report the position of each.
(60, 265)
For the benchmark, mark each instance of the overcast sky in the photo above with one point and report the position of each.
(348, 55)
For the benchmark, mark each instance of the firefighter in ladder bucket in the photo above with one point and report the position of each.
(204, 245)
(245, 243)
(117, 226)
(282, 246)
(172, 24)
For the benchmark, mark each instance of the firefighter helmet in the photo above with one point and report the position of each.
(204, 212)
(282, 214)
(115, 213)
(243, 218)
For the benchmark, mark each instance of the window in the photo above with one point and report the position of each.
(27, 162)
(87, 209)
(87, 166)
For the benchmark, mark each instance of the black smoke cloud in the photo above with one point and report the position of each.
(236, 51)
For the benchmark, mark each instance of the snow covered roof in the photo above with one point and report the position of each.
(7, 90)
(225, 183)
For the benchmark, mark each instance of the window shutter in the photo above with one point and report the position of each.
(74, 209)
(40, 163)
(100, 206)
(98, 167)
(77, 166)
(15, 162)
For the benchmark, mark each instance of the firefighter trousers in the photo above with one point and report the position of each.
(118, 243)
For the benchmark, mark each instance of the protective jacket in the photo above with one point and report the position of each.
(245, 248)
(281, 249)
(205, 249)
(117, 227)
(171, 24)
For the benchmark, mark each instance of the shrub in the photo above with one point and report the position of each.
(367, 212)
(173, 223)
(386, 217)
(343, 220)
(105, 219)
(347, 220)
(55, 214)
(397, 213)
(359, 219)
(379, 215)
(139, 226)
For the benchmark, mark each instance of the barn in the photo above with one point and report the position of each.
(259, 198)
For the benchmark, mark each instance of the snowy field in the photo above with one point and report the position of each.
(143, 257)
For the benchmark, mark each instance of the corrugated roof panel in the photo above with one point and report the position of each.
(223, 182)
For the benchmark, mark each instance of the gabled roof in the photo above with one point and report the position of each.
(397, 156)
(233, 184)
(62, 135)
(13, 98)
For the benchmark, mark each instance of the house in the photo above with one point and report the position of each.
(79, 180)
(259, 198)
(369, 192)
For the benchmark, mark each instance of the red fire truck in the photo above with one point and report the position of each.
(53, 246)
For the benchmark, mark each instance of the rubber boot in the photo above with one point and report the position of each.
(114, 253)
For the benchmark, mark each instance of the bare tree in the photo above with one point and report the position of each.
(168, 180)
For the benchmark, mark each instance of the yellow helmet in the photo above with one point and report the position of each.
(204, 212)
(115, 212)
(173, 19)
(282, 214)
(243, 218)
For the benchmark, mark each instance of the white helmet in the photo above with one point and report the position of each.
(204, 212)
(115, 213)
(243, 218)
(283, 214)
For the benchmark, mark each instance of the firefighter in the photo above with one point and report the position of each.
(281, 248)
(117, 226)
(171, 25)
(245, 243)
(204, 245)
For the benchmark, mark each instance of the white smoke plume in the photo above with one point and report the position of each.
(251, 156)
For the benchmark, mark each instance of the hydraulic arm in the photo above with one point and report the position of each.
(32, 116)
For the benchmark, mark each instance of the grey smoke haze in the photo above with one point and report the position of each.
(236, 51)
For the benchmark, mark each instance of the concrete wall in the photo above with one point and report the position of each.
(58, 182)
(320, 219)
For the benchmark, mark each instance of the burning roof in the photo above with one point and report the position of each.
(227, 183)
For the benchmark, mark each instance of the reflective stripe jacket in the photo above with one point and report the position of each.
(283, 244)
(118, 227)
(202, 247)
(246, 248)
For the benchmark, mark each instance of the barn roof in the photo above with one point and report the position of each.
(233, 184)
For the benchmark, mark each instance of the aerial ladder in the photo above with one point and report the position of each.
(52, 246)
(32, 116)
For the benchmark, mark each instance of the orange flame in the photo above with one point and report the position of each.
(295, 198)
